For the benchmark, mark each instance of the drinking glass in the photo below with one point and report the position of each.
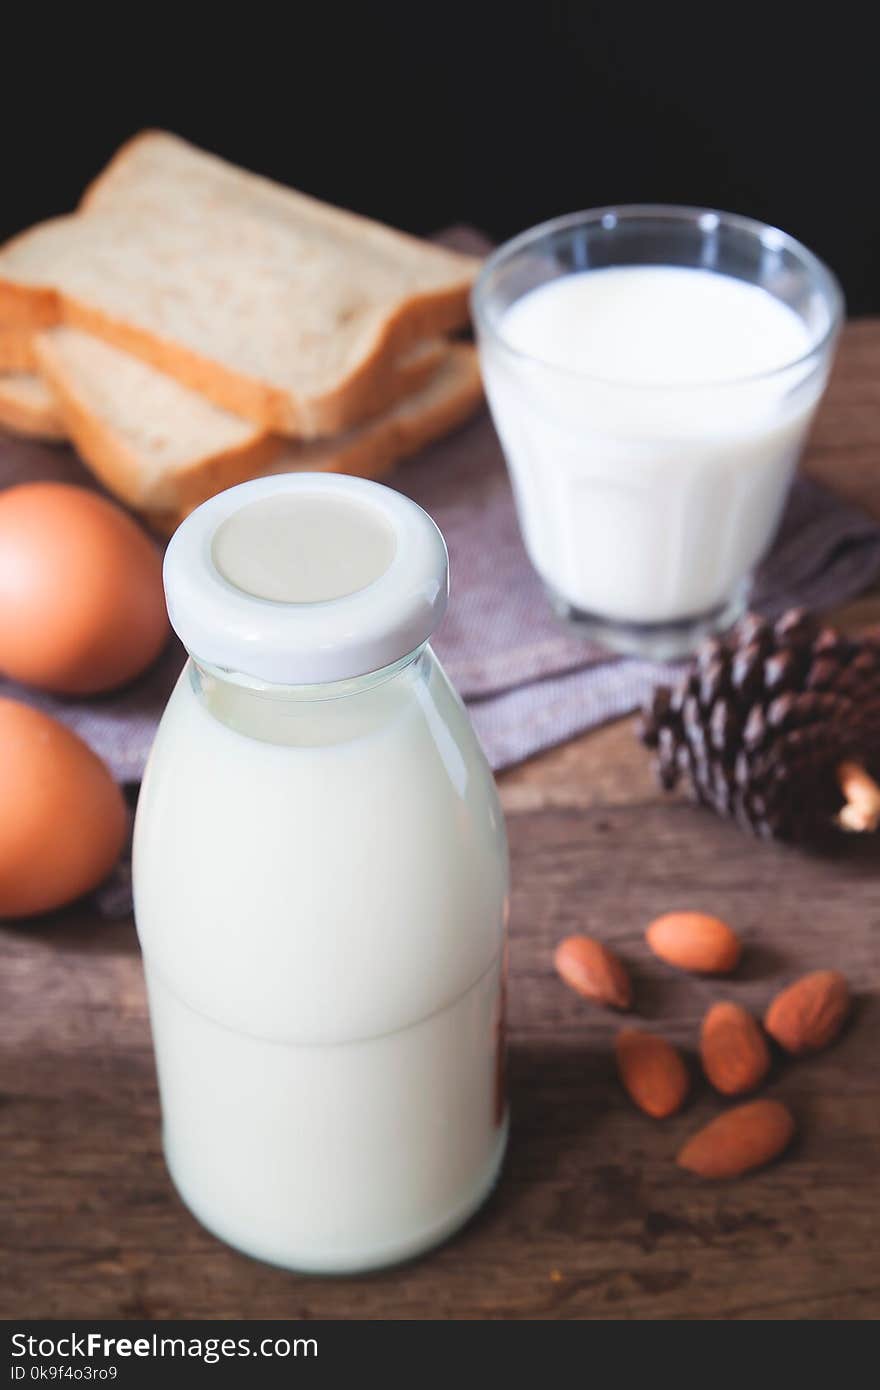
(645, 506)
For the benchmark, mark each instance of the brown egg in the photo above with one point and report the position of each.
(62, 817)
(81, 602)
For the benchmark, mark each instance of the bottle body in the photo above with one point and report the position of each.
(320, 891)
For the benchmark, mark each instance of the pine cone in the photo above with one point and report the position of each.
(777, 726)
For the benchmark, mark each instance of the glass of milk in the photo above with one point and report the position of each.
(652, 373)
(320, 883)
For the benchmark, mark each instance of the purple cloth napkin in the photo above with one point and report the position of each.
(529, 683)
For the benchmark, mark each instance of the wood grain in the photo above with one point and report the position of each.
(591, 1218)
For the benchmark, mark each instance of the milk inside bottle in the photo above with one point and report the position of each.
(320, 879)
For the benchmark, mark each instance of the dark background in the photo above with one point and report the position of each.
(499, 115)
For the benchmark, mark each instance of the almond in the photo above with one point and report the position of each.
(810, 1013)
(652, 1072)
(741, 1139)
(594, 971)
(695, 941)
(733, 1049)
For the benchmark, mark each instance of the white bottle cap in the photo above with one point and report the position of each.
(303, 578)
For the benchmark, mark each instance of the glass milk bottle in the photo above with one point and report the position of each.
(320, 880)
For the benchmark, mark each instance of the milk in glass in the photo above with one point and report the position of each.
(651, 468)
(652, 373)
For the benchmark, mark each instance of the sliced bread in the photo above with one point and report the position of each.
(163, 448)
(27, 406)
(273, 305)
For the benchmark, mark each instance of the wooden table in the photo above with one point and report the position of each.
(591, 1218)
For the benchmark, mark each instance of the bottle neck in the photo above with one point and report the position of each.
(308, 715)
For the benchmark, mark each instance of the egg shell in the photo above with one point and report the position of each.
(82, 609)
(63, 819)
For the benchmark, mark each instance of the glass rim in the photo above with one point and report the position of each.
(768, 234)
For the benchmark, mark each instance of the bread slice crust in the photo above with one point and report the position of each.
(17, 352)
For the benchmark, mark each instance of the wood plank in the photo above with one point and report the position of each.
(843, 452)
